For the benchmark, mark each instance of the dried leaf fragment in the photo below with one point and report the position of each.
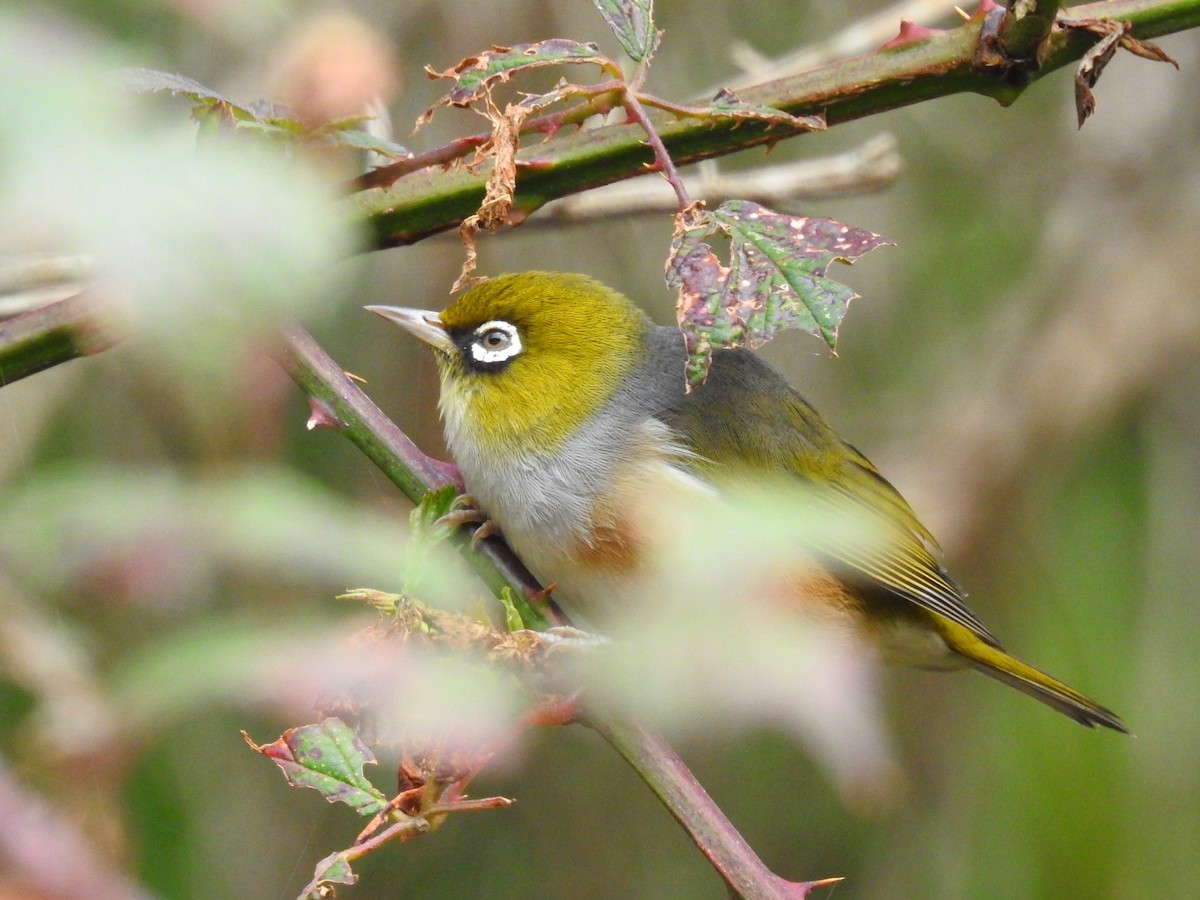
(1113, 34)
(476, 75)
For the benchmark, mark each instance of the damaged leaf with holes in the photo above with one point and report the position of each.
(333, 869)
(775, 278)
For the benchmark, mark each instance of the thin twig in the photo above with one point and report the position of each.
(662, 158)
(860, 36)
(871, 167)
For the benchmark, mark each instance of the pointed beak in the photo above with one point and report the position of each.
(420, 322)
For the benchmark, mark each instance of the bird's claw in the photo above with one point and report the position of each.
(463, 511)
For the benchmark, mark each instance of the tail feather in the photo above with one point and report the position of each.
(995, 663)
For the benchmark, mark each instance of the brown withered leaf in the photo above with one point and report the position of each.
(497, 206)
(1113, 34)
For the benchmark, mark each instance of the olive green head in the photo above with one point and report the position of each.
(526, 359)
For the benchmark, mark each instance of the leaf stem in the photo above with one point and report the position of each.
(666, 165)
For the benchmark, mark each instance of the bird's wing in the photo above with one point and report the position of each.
(747, 417)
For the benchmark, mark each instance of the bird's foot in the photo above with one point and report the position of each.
(463, 511)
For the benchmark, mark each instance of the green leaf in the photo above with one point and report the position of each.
(263, 118)
(427, 533)
(632, 21)
(333, 869)
(144, 81)
(328, 758)
(727, 103)
(357, 139)
(775, 278)
(475, 75)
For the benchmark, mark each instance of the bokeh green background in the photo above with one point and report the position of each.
(1023, 365)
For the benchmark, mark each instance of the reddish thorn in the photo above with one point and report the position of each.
(561, 711)
(910, 33)
(542, 596)
(320, 416)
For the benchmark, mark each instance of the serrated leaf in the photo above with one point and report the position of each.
(433, 506)
(427, 533)
(775, 278)
(475, 75)
(144, 81)
(333, 869)
(329, 758)
(356, 139)
(632, 21)
(727, 103)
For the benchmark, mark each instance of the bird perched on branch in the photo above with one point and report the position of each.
(565, 409)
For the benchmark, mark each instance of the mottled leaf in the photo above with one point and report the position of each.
(474, 75)
(632, 21)
(333, 869)
(328, 758)
(775, 278)
(727, 103)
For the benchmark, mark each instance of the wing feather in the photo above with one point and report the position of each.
(747, 416)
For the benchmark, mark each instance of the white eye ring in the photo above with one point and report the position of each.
(508, 345)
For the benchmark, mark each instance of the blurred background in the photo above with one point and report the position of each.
(1023, 366)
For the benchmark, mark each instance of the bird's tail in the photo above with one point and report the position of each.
(995, 663)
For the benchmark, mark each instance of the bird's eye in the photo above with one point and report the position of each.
(495, 339)
(495, 343)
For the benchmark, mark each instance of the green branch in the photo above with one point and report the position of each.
(50, 335)
(945, 63)
(340, 404)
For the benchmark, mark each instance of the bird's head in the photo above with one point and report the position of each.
(527, 359)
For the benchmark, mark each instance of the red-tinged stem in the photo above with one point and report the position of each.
(599, 100)
(454, 806)
(659, 766)
(637, 112)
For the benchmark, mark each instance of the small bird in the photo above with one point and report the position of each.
(565, 408)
